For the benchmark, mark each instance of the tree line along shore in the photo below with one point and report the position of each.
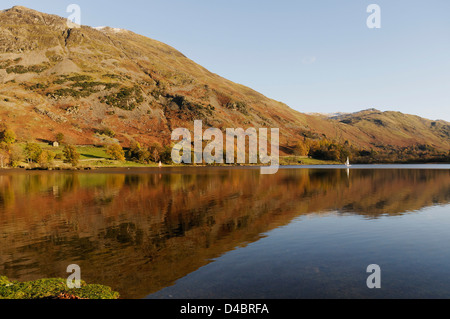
(58, 154)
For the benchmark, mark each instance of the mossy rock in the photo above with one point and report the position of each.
(52, 288)
(4, 281)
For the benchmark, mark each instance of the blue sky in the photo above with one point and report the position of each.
(314, 55)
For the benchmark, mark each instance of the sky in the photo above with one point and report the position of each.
(313, 55)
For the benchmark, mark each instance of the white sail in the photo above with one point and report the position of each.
(348, 162)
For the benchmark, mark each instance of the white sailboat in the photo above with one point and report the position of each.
(160, 164)
(348, 162)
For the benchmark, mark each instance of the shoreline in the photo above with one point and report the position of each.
(125, 167)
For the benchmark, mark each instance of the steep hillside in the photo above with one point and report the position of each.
(86, 81)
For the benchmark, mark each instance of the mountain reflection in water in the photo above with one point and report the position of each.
(141, 230)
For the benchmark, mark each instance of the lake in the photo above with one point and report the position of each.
(220, 232)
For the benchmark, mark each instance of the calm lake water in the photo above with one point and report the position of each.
(181, 233)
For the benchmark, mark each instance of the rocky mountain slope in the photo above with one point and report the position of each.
(98, 84)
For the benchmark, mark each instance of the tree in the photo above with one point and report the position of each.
(45, 158)
(133, 151)
(60, 138)
(116, 152)
(16, 155)
(71, 155)
(166, 155)
(155, 152)
(42, 159)
(138, 154)
(7, 136)
(4, 157)
(107, 132)
(301, 149)
(144, 156)
(32, 152)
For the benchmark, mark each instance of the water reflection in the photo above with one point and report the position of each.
(141, 230)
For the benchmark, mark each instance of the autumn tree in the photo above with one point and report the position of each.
(71, 155)
(137, 153)
(42, 159)
(328, 150)
(7, 136)
(16, 155)
(60, 138)
(301, 148)
(116, 152)
(156, 151)
(133, 151)
(45, 158)
(166, 155)
(4, 155)
(32, 152)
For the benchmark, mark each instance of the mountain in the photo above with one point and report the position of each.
(397, 129)
(94, 84)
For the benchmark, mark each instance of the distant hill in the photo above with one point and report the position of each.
(397, 129)
(86, 81)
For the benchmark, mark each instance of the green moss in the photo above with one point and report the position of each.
(96, 292)
(48, 288)
(4, 281)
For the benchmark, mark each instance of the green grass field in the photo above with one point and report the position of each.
(304, 160)
(90, 156)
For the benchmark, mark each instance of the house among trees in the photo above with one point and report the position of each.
(55, 144)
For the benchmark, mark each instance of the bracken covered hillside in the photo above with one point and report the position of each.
(86, 81)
